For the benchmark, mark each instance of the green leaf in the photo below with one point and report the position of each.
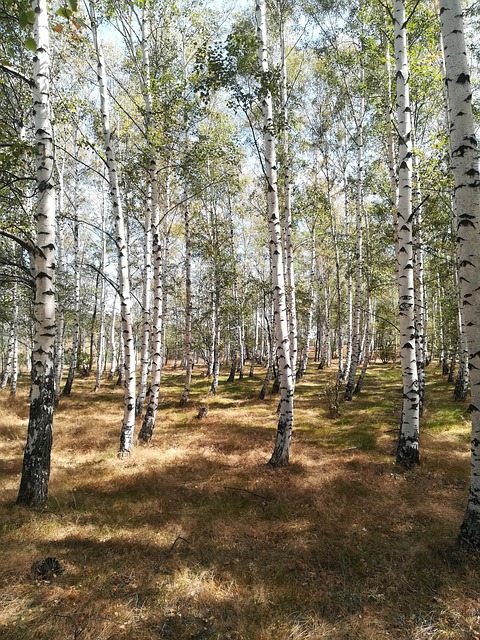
(73, 5)
(64, 12)
(23, 20)
(26, 18)
(30, 44)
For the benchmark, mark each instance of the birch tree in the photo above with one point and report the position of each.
(128, 423)
(281, 450)
(466, 171)
(408, 441)
(33, 490)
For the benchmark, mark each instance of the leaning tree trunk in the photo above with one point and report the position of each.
(281, 450)
(408, 440)
(128, 423)
(36, 460)
(465, 167)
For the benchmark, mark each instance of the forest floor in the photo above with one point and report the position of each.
(195, 537)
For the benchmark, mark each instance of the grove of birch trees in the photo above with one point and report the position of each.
(259, 186)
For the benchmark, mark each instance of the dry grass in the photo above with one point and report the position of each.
(194, 537)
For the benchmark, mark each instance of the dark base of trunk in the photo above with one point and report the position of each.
(358, 386)
(348, 395)
(461, 389)
(445, 367)
(146, 432)
(126, 441)
(276, 385)
(67, 389)
(281, 451)
(407, 453)
(138, 408)
(33, 490)
(469, 536)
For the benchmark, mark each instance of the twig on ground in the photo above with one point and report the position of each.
(76, 631)
(257, 495)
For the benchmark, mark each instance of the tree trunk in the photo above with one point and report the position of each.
(67, 389)
(59, 346)
(101, 323)
(356, 340)
(309, 334)
(128, 423)
(281, 450)
(33, 490)
(159, 254)
(188, 312)
(216, 341)
(146, 302)
(419, 283)
(112, 340)
(408, 441)
(465, 167)
(287, 201)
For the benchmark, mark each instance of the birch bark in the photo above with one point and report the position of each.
(188, 312)
(128, 423)
(408, 441)
(36, 460)
(101, 324)
(281, 450)
(465, 167)
(67, 389)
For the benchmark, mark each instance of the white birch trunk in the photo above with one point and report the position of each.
(306, 349)
(188, 312)
(356, 340)
(419, 276)
(408, 441)
(36, 461)
(128, 423)
(112, 340)
(216, 340)
(159, 257)
(465, 167)
(281, 450)
(59, 346)
(287, 205)
(146, 305)
(7, 369)
(101, 323)
(67, 389)
(14, 373)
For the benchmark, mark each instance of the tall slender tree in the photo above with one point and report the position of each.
(281, 450)
(408, 441)
(36, 459)
(128, 423)
(466, 170)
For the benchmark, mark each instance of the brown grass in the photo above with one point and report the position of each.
(195, 537)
